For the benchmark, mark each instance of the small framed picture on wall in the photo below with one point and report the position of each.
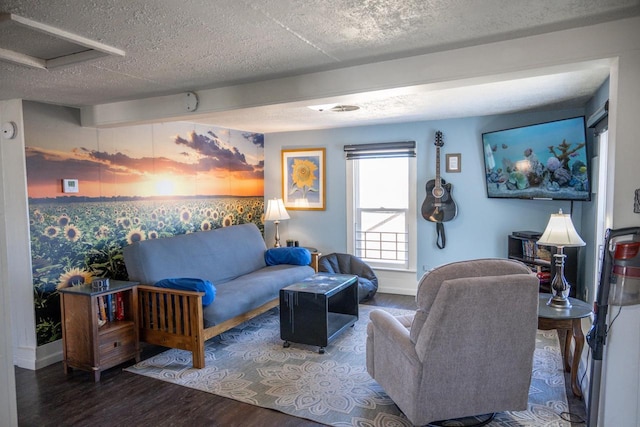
(303, 179)
(454, 162)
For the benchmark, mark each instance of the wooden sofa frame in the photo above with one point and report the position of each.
(173, 318)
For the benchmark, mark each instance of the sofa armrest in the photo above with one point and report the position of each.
(158, 290)
(172, 318)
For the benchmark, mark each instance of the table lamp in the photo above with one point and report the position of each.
(560, 233)
(276, 212)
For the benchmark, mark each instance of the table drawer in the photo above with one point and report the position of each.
(116, 346)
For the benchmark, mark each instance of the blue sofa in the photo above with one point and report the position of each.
(231, 258)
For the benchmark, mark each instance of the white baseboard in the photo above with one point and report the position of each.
(49, 354)
(397, 282)
(25, 357)
(34, 358)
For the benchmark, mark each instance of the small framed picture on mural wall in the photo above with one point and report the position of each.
(303, 179)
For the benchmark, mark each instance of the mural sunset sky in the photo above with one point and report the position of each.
(185, 160)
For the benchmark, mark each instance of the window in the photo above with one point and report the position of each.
(381, 209)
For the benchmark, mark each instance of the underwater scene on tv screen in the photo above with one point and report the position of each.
(543, 161)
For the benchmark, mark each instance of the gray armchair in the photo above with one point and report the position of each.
(468, 350)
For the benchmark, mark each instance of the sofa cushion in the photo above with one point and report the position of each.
(219, 255)
(251, 290)
(191, 284)
(293, 256)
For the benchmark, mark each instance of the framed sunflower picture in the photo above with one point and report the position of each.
(303, 179)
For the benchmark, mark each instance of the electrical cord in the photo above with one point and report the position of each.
(584, 374)
(572, 418)
(614, 319)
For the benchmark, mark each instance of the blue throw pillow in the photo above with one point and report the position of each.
(288, 255)
(187, 284)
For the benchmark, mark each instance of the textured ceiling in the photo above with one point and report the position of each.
(176, 46)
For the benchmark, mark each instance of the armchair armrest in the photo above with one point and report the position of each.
(389, 331)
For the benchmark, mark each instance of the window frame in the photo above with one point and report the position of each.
(411, 216)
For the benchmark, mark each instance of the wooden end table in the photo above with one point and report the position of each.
(315, 258)
(569, 320)
(317, 309)
(88, 346)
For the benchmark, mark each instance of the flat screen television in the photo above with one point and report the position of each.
(546, 161)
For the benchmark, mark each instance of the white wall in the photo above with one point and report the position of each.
(620, 401)
(9, 295)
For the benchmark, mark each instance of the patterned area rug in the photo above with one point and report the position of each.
(249, 364)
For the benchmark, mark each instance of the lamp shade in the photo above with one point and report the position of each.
(275, 210)
(560, 232)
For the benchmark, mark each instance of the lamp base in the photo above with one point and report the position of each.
(277, 245)
(559, 302)
(559, 286)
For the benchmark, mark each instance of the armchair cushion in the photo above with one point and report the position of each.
(432, 280)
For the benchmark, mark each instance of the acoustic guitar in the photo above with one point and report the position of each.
(439, 206)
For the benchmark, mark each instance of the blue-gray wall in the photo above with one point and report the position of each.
(482, 224)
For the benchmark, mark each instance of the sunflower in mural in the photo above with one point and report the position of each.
(72, 233)
(303, 175)
(37, 216)
(102, 232)
(63, 220)
(185, 215)
(227, 221)
(135, 235)
(50, 232)
(124, 222)
(74, 277)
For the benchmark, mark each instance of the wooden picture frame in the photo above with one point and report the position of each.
(454, 162)
(303, 179)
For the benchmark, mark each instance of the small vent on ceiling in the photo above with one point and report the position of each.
(344, 108)
(37, 45)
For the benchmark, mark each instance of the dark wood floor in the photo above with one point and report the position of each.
(48, 397)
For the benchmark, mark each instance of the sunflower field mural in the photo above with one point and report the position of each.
(136, 183)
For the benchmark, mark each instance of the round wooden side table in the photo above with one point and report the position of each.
(569, 320)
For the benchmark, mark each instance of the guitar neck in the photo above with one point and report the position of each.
(438, 183)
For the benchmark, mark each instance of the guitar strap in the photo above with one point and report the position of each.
(441, 239)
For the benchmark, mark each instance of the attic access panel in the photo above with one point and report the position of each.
(37, 45)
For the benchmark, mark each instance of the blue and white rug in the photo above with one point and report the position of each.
(249, 364)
